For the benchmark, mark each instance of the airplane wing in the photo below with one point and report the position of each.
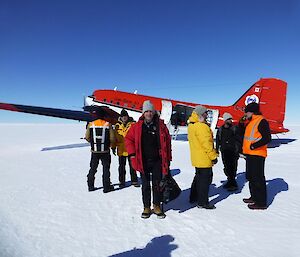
(91, 113)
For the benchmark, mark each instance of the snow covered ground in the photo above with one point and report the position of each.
(46, 211)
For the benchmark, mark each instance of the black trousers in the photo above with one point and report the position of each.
(202, 180)
(105, 160)
(230, 162)
(255, 173)
(122, 170)
(152, 171)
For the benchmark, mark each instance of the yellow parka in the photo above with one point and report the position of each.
(121, 131)
(201, 143)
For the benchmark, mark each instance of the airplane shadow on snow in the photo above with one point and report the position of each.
(182, 204)
(276, 142)
(158, 246)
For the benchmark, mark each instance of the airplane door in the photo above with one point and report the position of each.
(213, 116)
(166, 111)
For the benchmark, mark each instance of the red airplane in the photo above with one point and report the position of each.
(270, 93)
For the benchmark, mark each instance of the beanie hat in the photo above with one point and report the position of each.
(227, 116)
(200, 110)
(124, 113)
(252, 107)
(148, 106)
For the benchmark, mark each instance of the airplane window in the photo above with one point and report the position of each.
(118, 103)
(125, 104)
(111, 101)
(104, 100)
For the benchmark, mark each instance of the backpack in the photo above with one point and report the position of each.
(169, 189)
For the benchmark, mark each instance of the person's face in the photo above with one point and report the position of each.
(248, 115)
(148, 116)
(228, 121)
(124, 119)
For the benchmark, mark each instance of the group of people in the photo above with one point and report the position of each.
(146, 144)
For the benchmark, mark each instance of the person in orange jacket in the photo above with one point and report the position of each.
(257, 136)
(100, 135)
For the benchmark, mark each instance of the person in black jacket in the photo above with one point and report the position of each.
(229, 142)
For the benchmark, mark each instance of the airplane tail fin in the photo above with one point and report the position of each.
(270, 93)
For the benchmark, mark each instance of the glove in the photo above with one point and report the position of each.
(113, 151)
(214, 161)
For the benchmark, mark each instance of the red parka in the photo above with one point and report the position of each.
(133, 142)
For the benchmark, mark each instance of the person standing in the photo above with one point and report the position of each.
(148, 144)
(229, 142)
(122, 127)
(100, 135)
(257, 136)
(203, 156)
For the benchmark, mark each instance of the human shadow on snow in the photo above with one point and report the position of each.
(158, 246)
(182, 203)
(274, 187)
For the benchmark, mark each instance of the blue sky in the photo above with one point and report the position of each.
(52, 53)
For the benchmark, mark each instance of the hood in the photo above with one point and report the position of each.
(193, 118)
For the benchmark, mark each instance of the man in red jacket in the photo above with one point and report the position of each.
(148, 144)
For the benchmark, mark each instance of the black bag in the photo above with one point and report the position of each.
(169, 189)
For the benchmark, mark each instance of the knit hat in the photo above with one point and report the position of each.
(200, 110)
(252, 107)
(124, 113)
(227, 116)
(148, 106)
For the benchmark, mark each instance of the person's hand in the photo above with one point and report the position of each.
(113, 151)
(215, 161)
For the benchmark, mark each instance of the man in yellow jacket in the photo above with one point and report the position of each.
(203, 156)
(122, 127)
(256, 138)
(100, 135)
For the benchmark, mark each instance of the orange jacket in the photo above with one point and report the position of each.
(252, 135)
(100, 135)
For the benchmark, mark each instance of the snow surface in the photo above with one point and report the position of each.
(45, 209)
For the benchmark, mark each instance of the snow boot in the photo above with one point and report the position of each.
(227, 185)
(146, 213)
(206, 206)
(90, 182)
(157, 210)
(108, 189)
(135, 183)
(121, 184)
(232, 186)
(254, 206)
(248, 200)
